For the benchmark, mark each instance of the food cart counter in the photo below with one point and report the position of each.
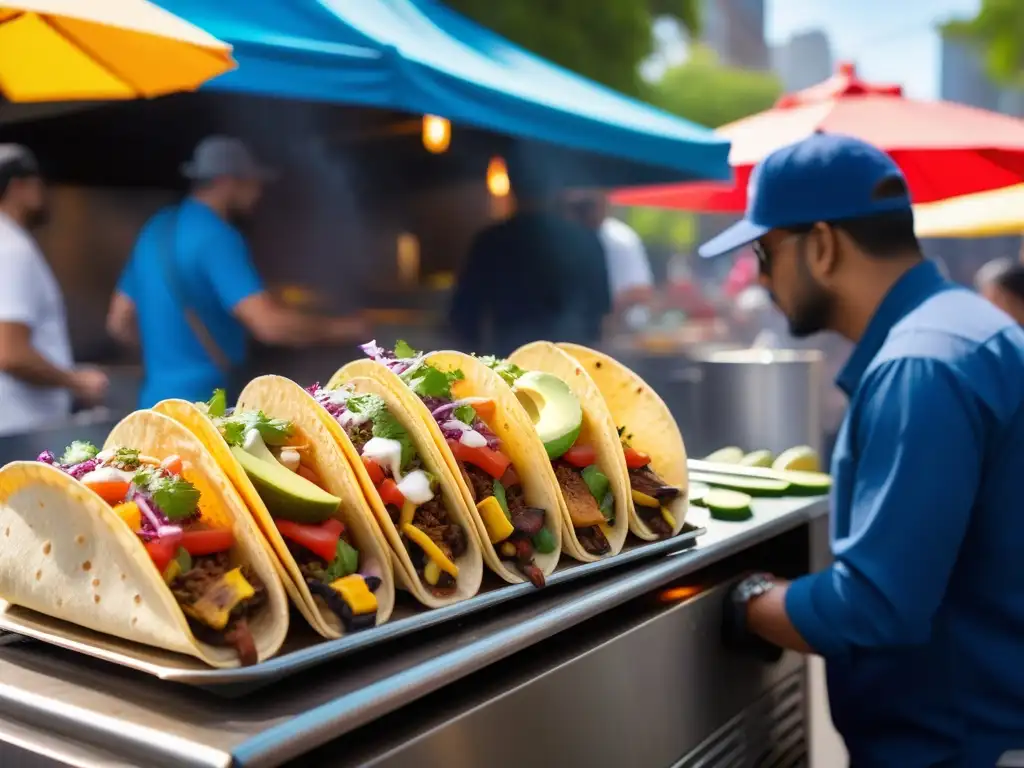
(622, 668)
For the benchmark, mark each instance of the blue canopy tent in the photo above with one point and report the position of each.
(419, 56)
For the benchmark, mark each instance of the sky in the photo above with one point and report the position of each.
(889, 40)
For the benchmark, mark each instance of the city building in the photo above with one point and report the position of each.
(734, 29)
(962, 76)
(803, 60)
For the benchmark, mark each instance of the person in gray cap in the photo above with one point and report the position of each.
(37, 374)
(190, 293)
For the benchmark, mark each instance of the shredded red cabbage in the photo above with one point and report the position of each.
(323, 397)
(47, 458)
(78, 471)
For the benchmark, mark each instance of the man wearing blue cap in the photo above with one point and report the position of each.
(190, 293)
(921, 617)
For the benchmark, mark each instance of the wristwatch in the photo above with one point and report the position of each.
(735, 633)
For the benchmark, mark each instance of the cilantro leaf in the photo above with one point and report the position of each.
(217, 404)
(403, 350)
(345, 563)
(175, 496)
(427, 381)
(385, 424)
(273, 431)
(465, 413)
(507, 370)
(77, 452)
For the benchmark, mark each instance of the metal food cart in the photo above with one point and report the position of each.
(621, 668)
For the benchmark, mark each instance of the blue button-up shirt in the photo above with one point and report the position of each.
(921, 616)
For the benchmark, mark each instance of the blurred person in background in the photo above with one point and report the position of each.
(190, 292)
(1002, 282)
(37, 376)
(536, 275)
(630, 279)
(920, 616)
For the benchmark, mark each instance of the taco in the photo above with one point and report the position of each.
(304, 499)
(410, 489)
(651, 443)
(145, 540)
(482, 436)
(578, 435)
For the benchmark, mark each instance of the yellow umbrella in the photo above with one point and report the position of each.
(984, 214)
(86, 50)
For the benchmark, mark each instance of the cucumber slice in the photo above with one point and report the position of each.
(730, 506)
(729, 455)
(807, 483)
(697, 491)
(753, 486)
(760, 458)
(800, 483)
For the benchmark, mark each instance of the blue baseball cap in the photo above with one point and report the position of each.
(825, 177)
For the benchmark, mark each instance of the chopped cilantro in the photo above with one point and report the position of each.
(427, 381)
(403, 350)
(385, 424)
(217, 404)
(345, 563)
(126, 459)
(175, 496)
(465, 413)
(507, 370)
(77, 452)
(273, 431)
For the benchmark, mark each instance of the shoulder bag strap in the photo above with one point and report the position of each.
(170, 270)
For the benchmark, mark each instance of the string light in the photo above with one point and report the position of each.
(437, 134)
(497, 177)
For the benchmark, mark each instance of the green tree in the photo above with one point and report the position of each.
(706, 92)
(998, 30)
(604, 40)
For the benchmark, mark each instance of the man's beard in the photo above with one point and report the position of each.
(37, 218)
(812, 310)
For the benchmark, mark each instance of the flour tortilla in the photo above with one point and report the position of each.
(646, 417)
(281, 398)
(598, 431)
(513, 428)
(470, 563)
(66, 554)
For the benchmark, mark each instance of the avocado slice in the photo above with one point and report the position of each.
(760, 458)
(287, 495)
(730, 506)
(728, 455)
(754, 486)
(553, 408)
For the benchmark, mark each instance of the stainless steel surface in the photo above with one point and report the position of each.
(757, 399)
(306, 649)
(56, 695)
(644, 694)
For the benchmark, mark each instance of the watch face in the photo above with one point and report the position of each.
(756, 585)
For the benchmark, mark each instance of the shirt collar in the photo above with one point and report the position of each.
(910, 290)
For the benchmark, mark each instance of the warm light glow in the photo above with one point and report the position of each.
(497, 177)
(437, 134)
(679, 594)
(408, 248)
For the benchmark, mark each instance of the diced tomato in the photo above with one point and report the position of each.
(172, 464)
(310, 475)
(321, 540)
(334, 525)
(580, 456)
(634, 458)
(494, 463)
(207, 542)
(485, 410)
(390, 494)
(511, 478)
(374, 470)
(111, 491)
(163, 550)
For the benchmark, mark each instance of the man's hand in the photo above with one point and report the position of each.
(89, 385)
(348, 329)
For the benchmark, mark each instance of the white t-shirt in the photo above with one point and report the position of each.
(625, 256)
(30, 295)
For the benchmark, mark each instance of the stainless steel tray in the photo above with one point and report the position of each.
(305, 649)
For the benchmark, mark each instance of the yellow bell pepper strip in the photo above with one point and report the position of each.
(215, 606)
(606, 530)
(431, 550)
(668, 517)
(643, 500)
(431, 573)
(498, 526)
(129, 512)
(356, 593)
(408, 510)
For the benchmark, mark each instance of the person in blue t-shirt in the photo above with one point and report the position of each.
(190, 294)
(920, 618)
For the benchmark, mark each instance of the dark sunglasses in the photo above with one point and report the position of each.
(764, 259)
